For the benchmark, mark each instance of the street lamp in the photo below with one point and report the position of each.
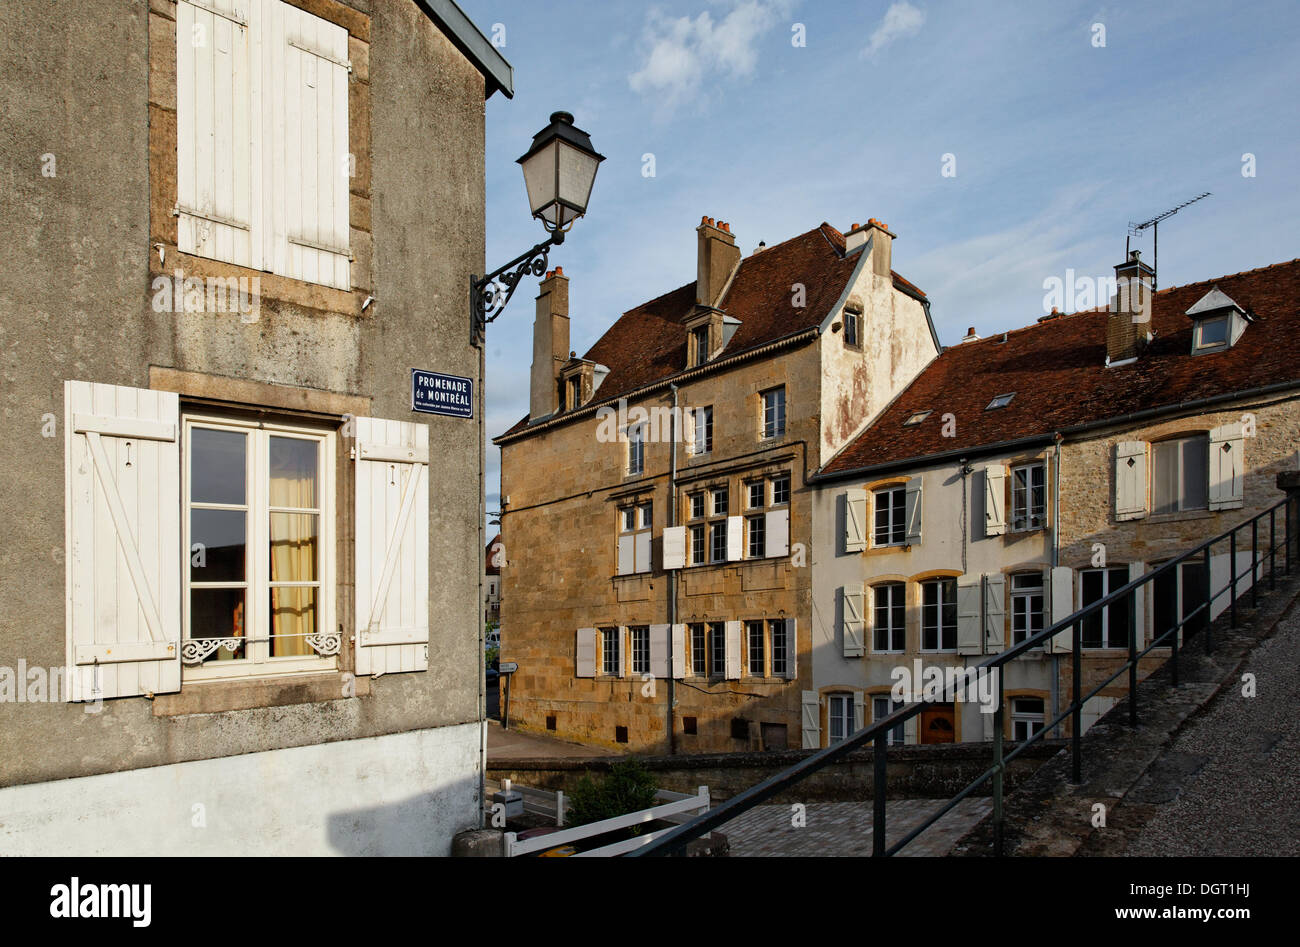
(559, 171)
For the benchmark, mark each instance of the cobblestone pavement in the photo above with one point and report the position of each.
(844, 828)
(1235, 767)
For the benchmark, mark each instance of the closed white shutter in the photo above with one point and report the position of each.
(1062, 604)
(913, 511)
(792, 648)
(659, 650)
(995, 501)
(853, 623)
(735, 538)
(585, 653)
(124, 556)
(215, 132)
(859, 711)
(733, 650)
(679, 651)
(1130, 480)
(626, 554)
(643, 551)
(855, 520)
(392, 546)
(305, 79)
(1227, 453)
(969, 630)
(995, 614)
(675, 547)
(810, 705)
(1135, 571)
(777, 532)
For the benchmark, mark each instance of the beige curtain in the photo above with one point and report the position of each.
(294, 541)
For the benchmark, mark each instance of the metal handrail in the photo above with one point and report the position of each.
(674, 842)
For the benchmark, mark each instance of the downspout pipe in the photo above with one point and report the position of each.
(672, 576)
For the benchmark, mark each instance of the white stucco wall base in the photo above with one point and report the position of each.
(402, 794)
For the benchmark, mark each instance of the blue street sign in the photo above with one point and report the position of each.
(434, 393)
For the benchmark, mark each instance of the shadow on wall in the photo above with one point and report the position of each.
(423, 824)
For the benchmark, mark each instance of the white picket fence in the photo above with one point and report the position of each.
(677, 808)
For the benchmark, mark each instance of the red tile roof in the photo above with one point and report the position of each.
(492, 568)
(648, 344)
(1058, 373)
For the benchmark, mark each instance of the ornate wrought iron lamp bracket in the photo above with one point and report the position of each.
(486, 300)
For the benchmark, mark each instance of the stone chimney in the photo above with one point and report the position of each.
(1128, 323)
(881, 244)
(550, 344)
(717, 259)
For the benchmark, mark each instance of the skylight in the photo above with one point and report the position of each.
(916, 417)
(1001, 401)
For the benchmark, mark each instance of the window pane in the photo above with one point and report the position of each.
(217, 466)
(1196, 469)
(221, 536)
(218, 613)
(293, 616)
(1164, 477)
(1214, 331)
(294, 540)
(293, 472)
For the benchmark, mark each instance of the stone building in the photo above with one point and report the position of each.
(1050, 466)
(233, 228)
(656, 519)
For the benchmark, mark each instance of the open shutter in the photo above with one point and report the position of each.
(1130, 480)
(733, 651)
(124, 556)
(852, 620)
(679, 651)
(810, 705)
(675, 547)
(643, 551)
(995, 614)
(1062, 604)
(214, 132)
(626, 553)
(859, 711)
(1227, 452)
(777, 532)
(585, 652)
(392, 546)
(735, 538)
(995, 501)
(792, 649)
(659, 650)
(969, 629)
(1135, 571)
(913, 511)
(855, 520)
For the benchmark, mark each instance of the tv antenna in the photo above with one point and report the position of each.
(1154, 223)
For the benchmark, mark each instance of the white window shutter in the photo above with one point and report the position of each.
(585, 652)
(777, 532)
(124, 556)
(1227, 453)
(855, 520)
(910, 730)
(810, 704)
(735, 538)
(853, 624)
(859, 711)
(733, 650)
(675, 547)
(995, 614)
(214, 132)
(1130, 480)
(626, 554)
(913, 511)
(392, 546)
(643, 551)
(792, 646)
(1135, 571)
(1062, 604)
(659, 650)
(969, 629)
(995, 501)
(679, 651)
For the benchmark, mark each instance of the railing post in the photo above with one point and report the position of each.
(1076, 715)
(1232, 577)
(1254, 563)
(1272, 549)
(1209, 600)
(878, 796)
(1132, 659)
(999, 718)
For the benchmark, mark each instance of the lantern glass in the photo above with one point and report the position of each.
(559, 172)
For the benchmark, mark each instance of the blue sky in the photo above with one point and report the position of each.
(1058, 144)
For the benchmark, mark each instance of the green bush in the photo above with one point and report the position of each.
(627, 787)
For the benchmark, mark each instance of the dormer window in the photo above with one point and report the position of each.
(1212, 332)
(699, 353)
(579, 380)
(1219, 322)
(708, 332)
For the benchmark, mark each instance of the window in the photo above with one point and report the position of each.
(702, 420)
(698, 555)
(1001, 401)
(720, 501)
(939, 615)
(696, 501)
(636, 450)
(1107, 628)
(780, 490)
(610, 660)
(1212, 333)
(889, 632)
(1029, 497)
(699, 345)
(1026, 605)
(718, 542)
(757, 653)
(882, 707)
(840, 714)
(647, 515)
(699, 651)
(573, 396)
(756, 527)
(891, 516)
(708, 540)
(1177, 594)
(774, 413)
(229, 157)
(852, 322)
(640, 649)
(259, 510)
(1026, 717)
(635, 527)
(757, 495)
(776, 629)
(1180, 474)
(916, 417)
(718, 649)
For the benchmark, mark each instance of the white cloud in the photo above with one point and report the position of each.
(682, 53)
(901, 19)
